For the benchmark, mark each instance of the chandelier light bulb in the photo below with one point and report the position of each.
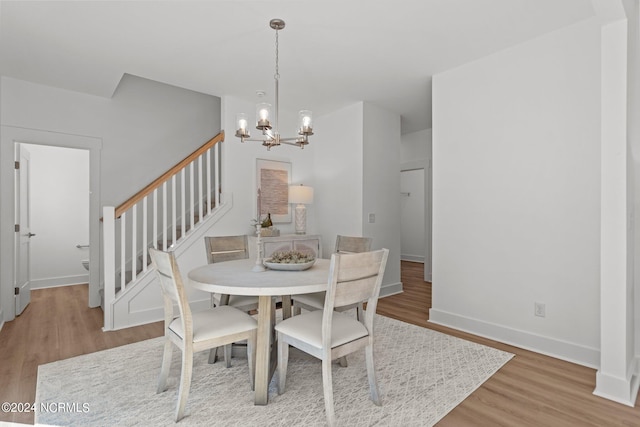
(242, 125)
(263, 111)
(306, 123)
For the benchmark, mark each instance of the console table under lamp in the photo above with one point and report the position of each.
(301, 195)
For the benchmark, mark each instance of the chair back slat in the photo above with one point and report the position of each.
(226, 248)
(170, 282)
(354, 291)
(352, 244)
(355, 278)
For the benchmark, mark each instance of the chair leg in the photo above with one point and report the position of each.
(251, 359)
(327, 385)
(296, 310)
(213, 355)
(166, 365)
(185, 382)
(371, 374)
(227, 355)
(283, 361)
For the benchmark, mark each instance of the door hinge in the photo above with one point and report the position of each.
(17, 165)
(16, 291)
(17, 228)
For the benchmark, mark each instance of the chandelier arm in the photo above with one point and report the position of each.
(256, 140)
(289, 140)
(297, 144)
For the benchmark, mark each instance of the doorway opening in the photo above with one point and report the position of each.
(57, 217)
(11, 137)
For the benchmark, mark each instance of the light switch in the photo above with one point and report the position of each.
(372, 218)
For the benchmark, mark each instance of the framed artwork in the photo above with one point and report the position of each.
(272, 190)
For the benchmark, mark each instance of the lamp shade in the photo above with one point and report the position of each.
(300, 194)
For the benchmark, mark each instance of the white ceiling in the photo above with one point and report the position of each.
(332, 53)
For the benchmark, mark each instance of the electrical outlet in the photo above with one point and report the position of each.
(539, 309)
(372, 218)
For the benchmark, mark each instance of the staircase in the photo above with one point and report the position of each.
(168, 213)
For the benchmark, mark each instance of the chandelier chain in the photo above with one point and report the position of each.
(277, 75)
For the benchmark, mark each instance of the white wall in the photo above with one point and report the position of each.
(239, 169)
(416, 146)
(338, 165)
(143, 119)
(516, 203)
(381, 191)
(59, 215)
(145, 128)
(357, 169)
(614, 379)
(633, 135)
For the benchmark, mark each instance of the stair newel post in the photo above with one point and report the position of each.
(109, 262)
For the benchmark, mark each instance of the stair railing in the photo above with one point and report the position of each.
(172, 205)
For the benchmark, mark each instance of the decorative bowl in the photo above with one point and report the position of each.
(288, 267)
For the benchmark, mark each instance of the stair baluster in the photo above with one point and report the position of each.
(188, 197)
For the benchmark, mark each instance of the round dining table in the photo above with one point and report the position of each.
(238, 278)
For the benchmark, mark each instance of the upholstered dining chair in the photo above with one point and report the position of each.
(229, 248)
(330, 334)
(194, 332)
(344, 244)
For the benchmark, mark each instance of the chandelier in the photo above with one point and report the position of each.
(271, 135)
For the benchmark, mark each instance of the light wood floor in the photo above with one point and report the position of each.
(530, 390)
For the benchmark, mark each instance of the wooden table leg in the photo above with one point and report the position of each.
(286, 306)
(263, 350)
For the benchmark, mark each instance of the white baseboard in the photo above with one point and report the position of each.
(412, 258)
(390, 289)
(155, 314)
(621, 390)
(571, 352)
(55, 282)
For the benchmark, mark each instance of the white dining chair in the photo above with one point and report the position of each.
(330, 334)
(315, 301)
(198, 331)
(221, 249)
(229, 248)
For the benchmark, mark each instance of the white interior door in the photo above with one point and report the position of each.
(412, 215)
(23, 231)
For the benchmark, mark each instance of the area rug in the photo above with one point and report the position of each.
(422, 375)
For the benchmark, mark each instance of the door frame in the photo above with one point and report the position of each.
(9, 136)
(428, 211)
(22, 237)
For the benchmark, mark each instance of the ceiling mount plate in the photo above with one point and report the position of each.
(276, 24)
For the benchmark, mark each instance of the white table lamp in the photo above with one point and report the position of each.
(301, 195)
